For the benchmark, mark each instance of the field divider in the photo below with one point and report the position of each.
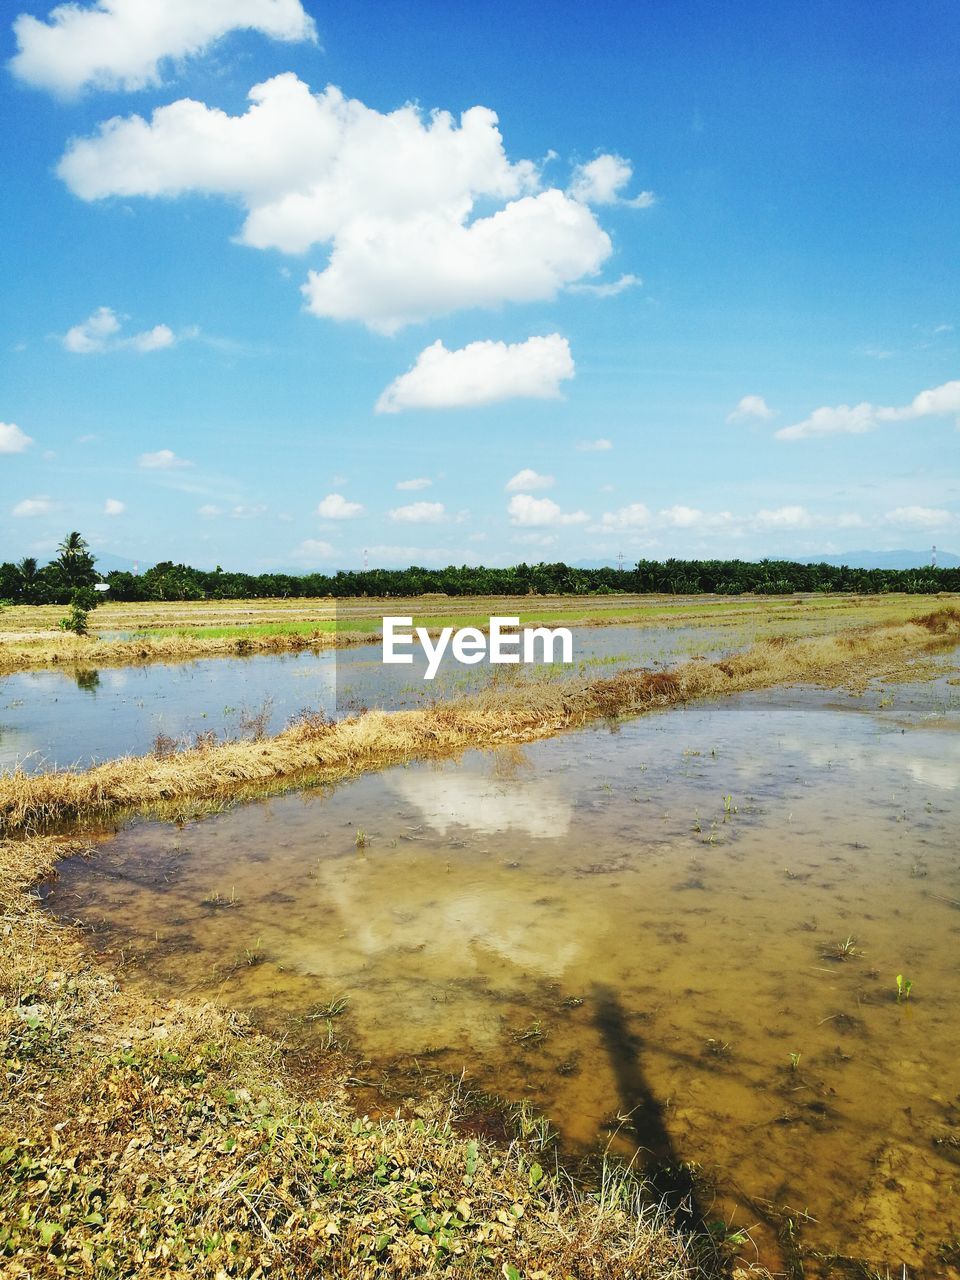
(376, 739)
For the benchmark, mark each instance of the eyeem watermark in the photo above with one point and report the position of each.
(470, 645)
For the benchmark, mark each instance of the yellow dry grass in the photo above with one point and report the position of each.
(375, 739)
(30, 640)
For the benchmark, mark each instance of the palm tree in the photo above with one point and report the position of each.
(75, 561)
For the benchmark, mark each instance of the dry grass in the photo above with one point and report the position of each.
(177, 631)
(64, 650)
(30, 802)
(165, 1139)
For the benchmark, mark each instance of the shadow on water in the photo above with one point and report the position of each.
(645, 1113)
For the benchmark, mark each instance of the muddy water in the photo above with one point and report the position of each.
(681, 935)
(64, 718)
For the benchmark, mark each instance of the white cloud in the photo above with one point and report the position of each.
(602, 180)
(120, 44)
(336, 507)
(532, 512)
(421, 482)
(751, 407)
(12, 439)
(595, 446)
(681, 517)
(244, 512)
(30, 507)
(100, 332)
(481, 373)
(634, 516)
(528, 479)
(418, 513)
(162, 460)
(841, 419)
(937, 402)
(114, 507)
(209, 511)
(610, 290)
(920, 517)
(155, 339)
(392, 195)
(789, 517)
(314, 550)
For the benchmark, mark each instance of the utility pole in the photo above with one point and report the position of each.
(933, 556)
(620, 561)
(366, 562)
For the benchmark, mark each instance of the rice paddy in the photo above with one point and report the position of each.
(695, 903)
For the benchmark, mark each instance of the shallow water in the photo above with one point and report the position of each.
(63, 718)
(683, 931)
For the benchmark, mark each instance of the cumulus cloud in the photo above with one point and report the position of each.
(530, 512)
(418, 513)
(528, 479)
(751, 407)
(162, 460)
(12, 439)
(634, 516)
(693, 519)
(841, 419)
(30, 507)
(920, 517)
(789, 517)
(391, 194)
(937, 402)
(681, 517)
(314, 550)
(421, 482)
(481, 373)
(209, 511)
(120, 44)
(114, 507)
(602, 180)
(595, 446)
(100, 332)
(336, 507)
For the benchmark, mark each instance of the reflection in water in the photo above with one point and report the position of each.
(639, 932)
(51, 723)
(533, 805)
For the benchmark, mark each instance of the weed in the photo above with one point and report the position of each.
(845, 950)
(904, 987)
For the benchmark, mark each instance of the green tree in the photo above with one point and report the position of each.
(75, 561)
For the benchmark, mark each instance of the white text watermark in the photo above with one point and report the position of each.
(505, 643)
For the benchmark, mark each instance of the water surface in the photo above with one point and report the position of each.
(679, 935)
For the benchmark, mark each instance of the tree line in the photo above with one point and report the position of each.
(74, 567)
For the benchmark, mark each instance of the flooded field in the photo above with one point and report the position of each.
(73, 716)
(680, 935)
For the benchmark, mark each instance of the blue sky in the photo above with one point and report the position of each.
(683, 280)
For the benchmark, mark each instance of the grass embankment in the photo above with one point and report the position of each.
(86, 652)
(521, 714)
(168, 1140)
(177, 631)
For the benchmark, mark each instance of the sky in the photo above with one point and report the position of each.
(312, 285)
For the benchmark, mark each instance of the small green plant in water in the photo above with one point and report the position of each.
(904, 987)
(794, 1061)
(361, 840)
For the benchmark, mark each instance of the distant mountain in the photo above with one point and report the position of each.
(887, 559)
